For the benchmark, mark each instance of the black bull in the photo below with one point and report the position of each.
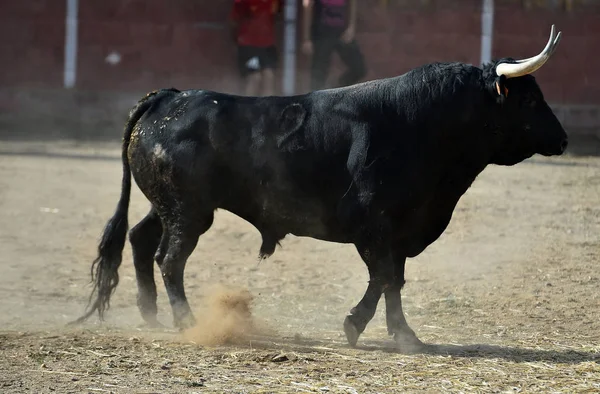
(380, 165)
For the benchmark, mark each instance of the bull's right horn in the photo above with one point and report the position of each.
(530, 65)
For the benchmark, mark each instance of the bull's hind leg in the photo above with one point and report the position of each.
(178, 242)
(144, 238)
(397, 326)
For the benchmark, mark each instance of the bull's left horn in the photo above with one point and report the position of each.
(530, 65)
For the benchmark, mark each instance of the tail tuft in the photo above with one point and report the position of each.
(105, 268)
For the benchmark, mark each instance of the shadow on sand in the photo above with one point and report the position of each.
(509, 353)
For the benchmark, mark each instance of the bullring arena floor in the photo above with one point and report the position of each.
(509, 296)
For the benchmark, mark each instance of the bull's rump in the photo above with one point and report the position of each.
(255, 157)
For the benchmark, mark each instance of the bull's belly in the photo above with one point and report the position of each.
(299, 216)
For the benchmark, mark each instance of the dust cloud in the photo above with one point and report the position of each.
(224, 317)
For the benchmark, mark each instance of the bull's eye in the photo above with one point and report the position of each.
(530, 102)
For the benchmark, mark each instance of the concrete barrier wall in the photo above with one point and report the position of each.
(186, 44)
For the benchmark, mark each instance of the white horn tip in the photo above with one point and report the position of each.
(530, 65)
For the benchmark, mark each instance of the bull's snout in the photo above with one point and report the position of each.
(564, 144)
(555, 146)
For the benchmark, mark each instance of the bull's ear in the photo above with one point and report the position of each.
(500, 89)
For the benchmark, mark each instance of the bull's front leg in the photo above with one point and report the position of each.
(397, 325)
(356, 322)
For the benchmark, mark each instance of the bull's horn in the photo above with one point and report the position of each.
(530, 65)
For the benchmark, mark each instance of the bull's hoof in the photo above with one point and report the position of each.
(351, 331)
(407, 342)
(153, 323)
(185, 323)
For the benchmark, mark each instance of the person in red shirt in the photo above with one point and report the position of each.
(254, 28)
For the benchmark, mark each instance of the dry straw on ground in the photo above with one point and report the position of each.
(81, 360)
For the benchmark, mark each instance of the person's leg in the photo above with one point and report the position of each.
(253, 81)
(355, 63)
(269, 62)
(268, 82)
(249, 67)
(321, 60)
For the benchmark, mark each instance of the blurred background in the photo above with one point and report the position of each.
(73, 68)
(511, 290)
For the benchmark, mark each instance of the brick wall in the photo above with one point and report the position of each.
(571, 76)
(32, 36)
(418, 35)
(186, 44)
(181, 43)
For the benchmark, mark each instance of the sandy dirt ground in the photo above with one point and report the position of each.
(508, 298)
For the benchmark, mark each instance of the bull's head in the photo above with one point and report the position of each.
(526, 124)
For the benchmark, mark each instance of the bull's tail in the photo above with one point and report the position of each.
(104, 270)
